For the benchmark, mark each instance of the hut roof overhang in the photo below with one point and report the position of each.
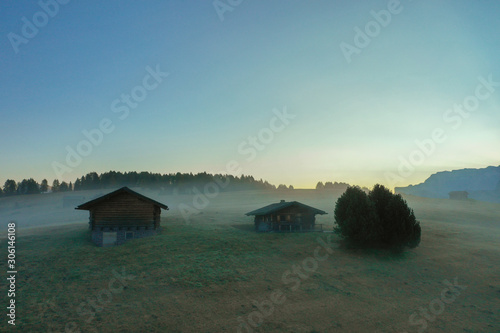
(276, 207)
(88, 205)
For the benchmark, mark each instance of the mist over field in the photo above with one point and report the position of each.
(50, 209)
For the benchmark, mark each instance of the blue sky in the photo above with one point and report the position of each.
(355, 118)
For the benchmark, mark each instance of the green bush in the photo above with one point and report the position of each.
(355, 216)
(377, 219)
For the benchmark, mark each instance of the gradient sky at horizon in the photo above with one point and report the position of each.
(353, 121)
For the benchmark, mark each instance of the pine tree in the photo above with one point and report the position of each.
(10, 187)
(44, 186)
(55, 185)
(63, 187)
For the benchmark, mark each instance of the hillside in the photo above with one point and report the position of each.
(481, 184)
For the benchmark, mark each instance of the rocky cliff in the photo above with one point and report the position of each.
(482, 184)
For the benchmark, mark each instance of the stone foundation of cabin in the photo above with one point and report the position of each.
(110, 236)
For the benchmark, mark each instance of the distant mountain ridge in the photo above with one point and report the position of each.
(481, 184)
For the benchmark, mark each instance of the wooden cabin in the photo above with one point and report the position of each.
(458, 195)
(122, 215)
(285, 216)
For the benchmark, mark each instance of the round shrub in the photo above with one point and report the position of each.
(378, 219)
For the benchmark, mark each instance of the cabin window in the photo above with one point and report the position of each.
(129, 235)
(108, 238)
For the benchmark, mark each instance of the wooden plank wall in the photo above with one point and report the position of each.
(123, 210)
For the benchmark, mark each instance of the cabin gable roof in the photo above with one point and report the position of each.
(92, 203)
(276, 207)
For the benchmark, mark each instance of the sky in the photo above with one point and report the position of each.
(293, 92)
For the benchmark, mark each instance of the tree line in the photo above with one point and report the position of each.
(30, 186)
(92, 181)
(182, 182)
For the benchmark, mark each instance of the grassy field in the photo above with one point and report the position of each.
(214, 274)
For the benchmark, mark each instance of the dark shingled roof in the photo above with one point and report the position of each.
(272, 208)
(91, 203)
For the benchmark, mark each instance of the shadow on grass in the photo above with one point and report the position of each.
(378, 252)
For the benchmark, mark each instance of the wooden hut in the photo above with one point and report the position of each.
(285, 216)
(122, 215)
(458, 195)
